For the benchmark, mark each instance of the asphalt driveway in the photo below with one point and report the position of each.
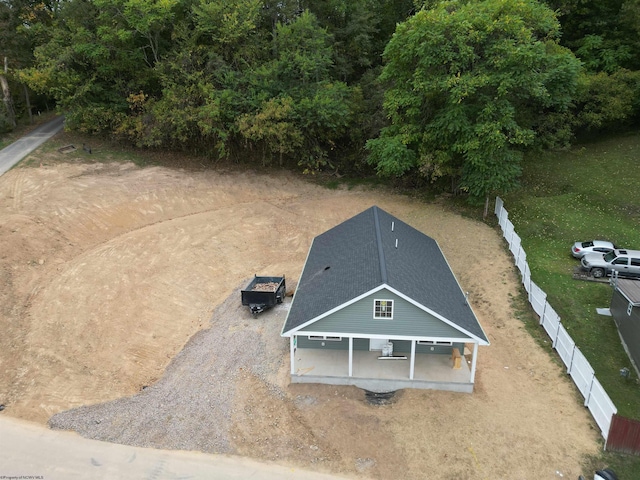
(19, 149)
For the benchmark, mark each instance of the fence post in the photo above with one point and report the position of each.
(573, 352)
(555, 339)
(544, 310)
(587, 397)
(606, 440)
(498, 206)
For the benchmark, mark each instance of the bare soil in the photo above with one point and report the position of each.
(107, 270)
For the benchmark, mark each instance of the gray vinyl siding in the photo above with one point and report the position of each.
(628, 325)
(304, 342)
(404, 346)
(358, 344)
(408, 320)
(361, 344)
(399, 346)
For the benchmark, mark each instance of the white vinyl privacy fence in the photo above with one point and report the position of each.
(595, 398)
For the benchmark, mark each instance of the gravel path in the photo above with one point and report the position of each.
(192, 405)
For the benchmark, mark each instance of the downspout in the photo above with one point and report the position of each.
(412, 364)
(351, 356)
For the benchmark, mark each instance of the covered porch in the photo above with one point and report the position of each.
(366, 370)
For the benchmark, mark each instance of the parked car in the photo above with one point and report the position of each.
(625, 262)
(580, 249)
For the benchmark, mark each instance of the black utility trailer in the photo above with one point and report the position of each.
(263, 293)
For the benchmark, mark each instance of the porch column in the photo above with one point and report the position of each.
(351, 356)
(412, 363)
(473, 362)
(292, 351)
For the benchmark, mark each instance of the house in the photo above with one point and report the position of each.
(377, 306)
(625, 310)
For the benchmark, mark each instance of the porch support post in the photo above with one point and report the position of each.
(292, 353)
(473, 362)
(412, 364)
(351, 356)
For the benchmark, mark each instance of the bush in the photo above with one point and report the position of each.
(608, 101)
(5, 123)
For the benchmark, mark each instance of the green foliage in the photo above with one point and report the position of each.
(212, 76)
(274, 126)
(360, 31)
(303, 53)
(93, 61)
(391, 156)
(608, 101)
(601, 54)
(225, 25)
(5, 123)
(467, 84)
(302, 110)
(604, 35)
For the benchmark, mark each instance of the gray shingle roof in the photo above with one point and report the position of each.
(361, 254)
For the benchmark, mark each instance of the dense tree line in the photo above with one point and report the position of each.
(433, 92)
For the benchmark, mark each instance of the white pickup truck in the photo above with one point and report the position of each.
(625, 262)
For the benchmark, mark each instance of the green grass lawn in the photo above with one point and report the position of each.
(590, 192)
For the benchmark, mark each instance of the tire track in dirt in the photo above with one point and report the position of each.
(76, 286)
(16, 189)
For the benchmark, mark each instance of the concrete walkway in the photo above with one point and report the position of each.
(19, 149)
(29, 450)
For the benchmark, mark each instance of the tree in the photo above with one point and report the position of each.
(304, 111)
(467, 83)
(98, 54)
(604, 35)
(23, 24)
(607, 102)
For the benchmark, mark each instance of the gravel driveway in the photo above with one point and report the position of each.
(191, 406)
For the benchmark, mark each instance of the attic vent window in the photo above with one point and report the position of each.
(325, 337)
(383, 309)
(434, 342)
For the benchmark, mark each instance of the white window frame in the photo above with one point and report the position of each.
(324, 338)
(629, 308)
(435, 343)
(390, 306)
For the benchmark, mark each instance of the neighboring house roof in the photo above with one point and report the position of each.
(630, 289)
(376, 249)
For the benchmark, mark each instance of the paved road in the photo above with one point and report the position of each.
(19, 149)
(31, 451)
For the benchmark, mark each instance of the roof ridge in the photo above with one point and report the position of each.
(381, 258)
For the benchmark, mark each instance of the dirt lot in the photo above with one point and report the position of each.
(107, 270)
